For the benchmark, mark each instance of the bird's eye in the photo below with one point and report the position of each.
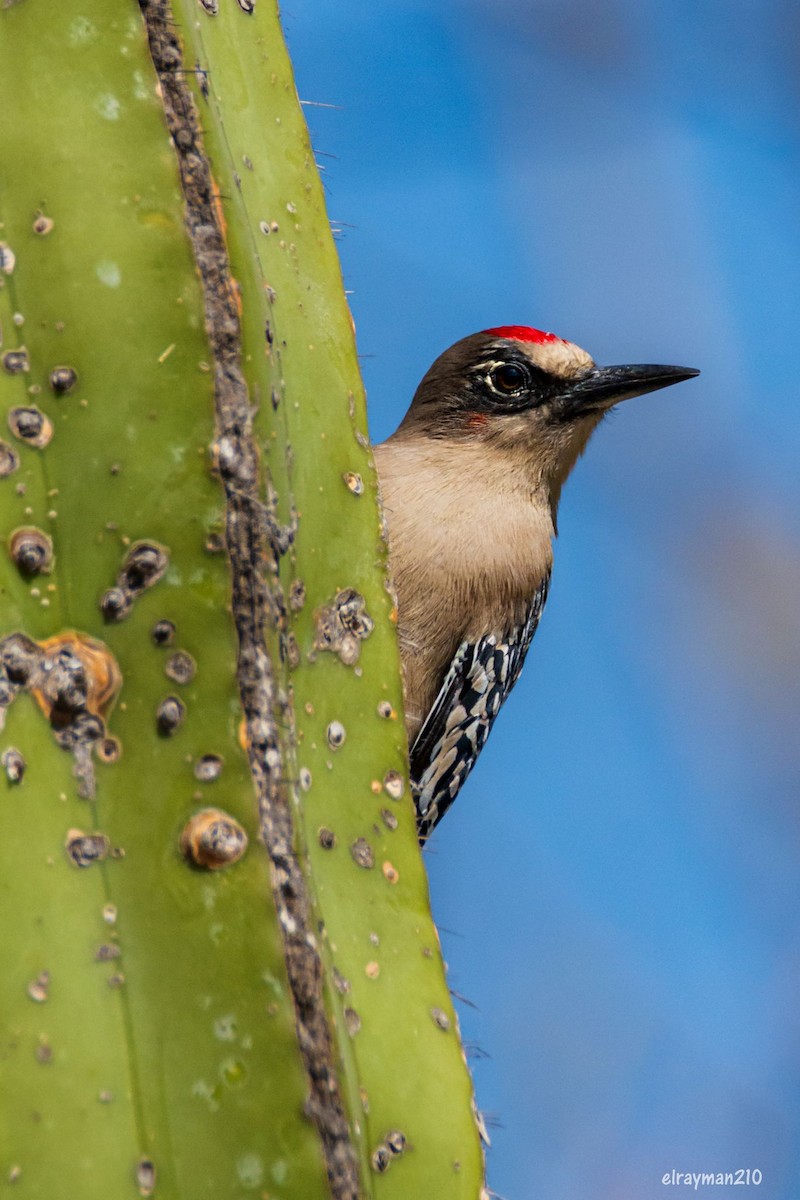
(508, 378)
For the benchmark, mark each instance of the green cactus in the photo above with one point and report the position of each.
(219, 976)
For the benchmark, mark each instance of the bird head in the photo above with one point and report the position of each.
(531, 396)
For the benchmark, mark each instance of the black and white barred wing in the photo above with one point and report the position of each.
(453, 734)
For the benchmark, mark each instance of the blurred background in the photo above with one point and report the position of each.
(618, 885)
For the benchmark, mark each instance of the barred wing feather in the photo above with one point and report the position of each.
(453, 734)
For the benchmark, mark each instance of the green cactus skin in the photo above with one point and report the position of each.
(148, 1035)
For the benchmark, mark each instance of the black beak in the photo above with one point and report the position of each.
(602, 387)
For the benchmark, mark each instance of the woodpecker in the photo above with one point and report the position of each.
(470, 484)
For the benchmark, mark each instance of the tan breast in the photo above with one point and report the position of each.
(469, 544)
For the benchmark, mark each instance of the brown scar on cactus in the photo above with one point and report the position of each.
(340, 627)
(31, 550)
(144, 565)
(180, 667)
(101, 671)
(84, 849)
(212, 839)
(74, 680)
(146, 1176)
(9, 460)
(43, 225)
(208, 768)
(163, 633)
(30, 425)
(13, 764)
(16, 362)
(62, 379)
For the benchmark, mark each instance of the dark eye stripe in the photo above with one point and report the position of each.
(506, 383)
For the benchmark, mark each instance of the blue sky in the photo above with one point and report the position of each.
(621, 875)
